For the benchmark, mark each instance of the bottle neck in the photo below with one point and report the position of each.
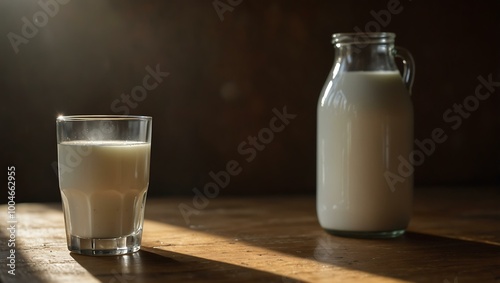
(368, 57)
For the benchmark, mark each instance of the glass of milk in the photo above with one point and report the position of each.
(103, 178)
(365, 138)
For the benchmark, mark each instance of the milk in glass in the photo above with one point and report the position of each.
(104, 186)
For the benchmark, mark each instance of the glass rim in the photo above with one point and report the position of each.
(75, 118)
(363, 37)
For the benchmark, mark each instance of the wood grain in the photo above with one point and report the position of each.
(454, 236)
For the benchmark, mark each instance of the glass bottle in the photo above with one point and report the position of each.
(365, 138)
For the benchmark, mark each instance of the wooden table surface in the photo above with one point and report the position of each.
(454, 237)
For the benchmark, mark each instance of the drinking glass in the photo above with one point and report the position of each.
(103, 163)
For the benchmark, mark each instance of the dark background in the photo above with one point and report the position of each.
(225, 78)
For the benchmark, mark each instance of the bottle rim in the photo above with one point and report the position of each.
(363, 38)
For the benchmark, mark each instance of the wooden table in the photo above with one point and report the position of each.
(454, 237)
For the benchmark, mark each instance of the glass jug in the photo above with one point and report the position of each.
(364, 134)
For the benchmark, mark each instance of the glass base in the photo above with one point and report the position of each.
(105, 246)
(367, 235)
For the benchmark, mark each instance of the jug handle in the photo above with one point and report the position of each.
(409, 66)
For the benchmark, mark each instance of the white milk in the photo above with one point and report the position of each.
(103, 186)
(364, 124)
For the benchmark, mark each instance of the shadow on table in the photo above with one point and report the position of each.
(162, 266)
(415, 257)
(293, 230)
(22, 271)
